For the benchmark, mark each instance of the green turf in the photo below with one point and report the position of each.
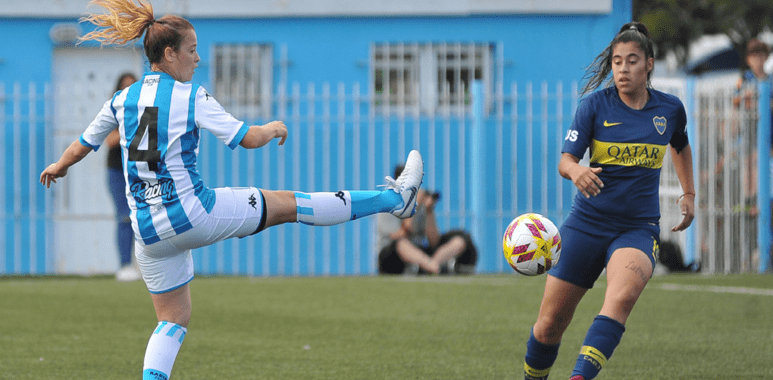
(377, 328)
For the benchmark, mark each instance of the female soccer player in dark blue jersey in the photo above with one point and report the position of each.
(614, 222)
(159, 119)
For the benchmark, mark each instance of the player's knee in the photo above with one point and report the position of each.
(179, 317)
(550, 328)
(623, 300)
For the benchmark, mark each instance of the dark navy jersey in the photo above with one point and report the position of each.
(629, 146)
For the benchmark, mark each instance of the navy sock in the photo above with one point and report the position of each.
(539, 358)
(603, 337)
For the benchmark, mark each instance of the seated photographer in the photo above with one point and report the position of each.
(416, 241)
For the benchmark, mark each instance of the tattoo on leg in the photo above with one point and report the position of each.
(636, 269)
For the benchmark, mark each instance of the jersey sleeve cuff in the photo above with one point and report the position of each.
(87, 145)
(239, 136)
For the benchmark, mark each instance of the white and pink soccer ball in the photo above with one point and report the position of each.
(532, 244)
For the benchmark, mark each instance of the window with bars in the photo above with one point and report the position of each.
(243, 78)
(429, 77)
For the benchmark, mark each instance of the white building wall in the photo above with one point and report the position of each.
(318, 8)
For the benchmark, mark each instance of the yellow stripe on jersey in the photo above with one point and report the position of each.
(627, 154)
(594, 356)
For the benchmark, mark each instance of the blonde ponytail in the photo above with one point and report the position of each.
(125, 21)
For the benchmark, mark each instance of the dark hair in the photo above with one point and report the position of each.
(127, 21)
(599, 70)
(755, 46)
(121, 79)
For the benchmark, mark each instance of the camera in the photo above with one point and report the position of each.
(434, 194)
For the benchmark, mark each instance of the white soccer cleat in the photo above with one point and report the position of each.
(407, 185)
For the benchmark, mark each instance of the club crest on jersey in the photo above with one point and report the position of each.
(142, 191)
(660, 124)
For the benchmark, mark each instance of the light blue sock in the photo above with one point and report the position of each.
(162, 350)
(603, 337)
(327, 209)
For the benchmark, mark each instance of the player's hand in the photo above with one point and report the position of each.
(280, 130)
(587, 180)
(687, 206)
(51, 173)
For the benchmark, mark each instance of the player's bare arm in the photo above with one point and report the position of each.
(260, 135)
(683, 167)
(586, 179)
(73, 154)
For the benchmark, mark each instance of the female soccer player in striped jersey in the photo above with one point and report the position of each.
(614, 222)
(159, 119)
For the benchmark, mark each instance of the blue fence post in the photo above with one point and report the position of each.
(763, 175)
(476, 158)
(691, 253)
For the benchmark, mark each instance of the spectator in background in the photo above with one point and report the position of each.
(757, 53)
(417, 243)
(745, 101)
(117, 186)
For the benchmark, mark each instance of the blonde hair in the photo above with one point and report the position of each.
(124, 22)
(127, 21)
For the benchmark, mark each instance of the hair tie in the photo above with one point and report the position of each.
(633, 27)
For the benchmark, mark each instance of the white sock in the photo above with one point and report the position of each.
(327, 209)
(323, 209)
(162, 349)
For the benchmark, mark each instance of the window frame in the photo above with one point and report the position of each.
(414, 72)
(241, 95)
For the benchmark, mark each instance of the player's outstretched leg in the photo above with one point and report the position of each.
(399, 198)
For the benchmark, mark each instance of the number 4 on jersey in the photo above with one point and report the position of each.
(149, 125)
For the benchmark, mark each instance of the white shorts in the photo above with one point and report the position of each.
(167, 264)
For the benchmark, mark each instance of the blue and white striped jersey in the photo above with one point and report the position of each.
(159, 120)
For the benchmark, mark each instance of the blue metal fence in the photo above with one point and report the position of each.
(24, 117)
(763, 168)
(339, 141)
(491, 160)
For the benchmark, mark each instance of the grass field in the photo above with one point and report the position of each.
(684, 327)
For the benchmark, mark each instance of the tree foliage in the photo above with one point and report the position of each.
(673, 24)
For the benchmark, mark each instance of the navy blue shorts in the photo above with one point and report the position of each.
(585, 252)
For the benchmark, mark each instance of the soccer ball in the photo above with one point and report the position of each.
(532, 244)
